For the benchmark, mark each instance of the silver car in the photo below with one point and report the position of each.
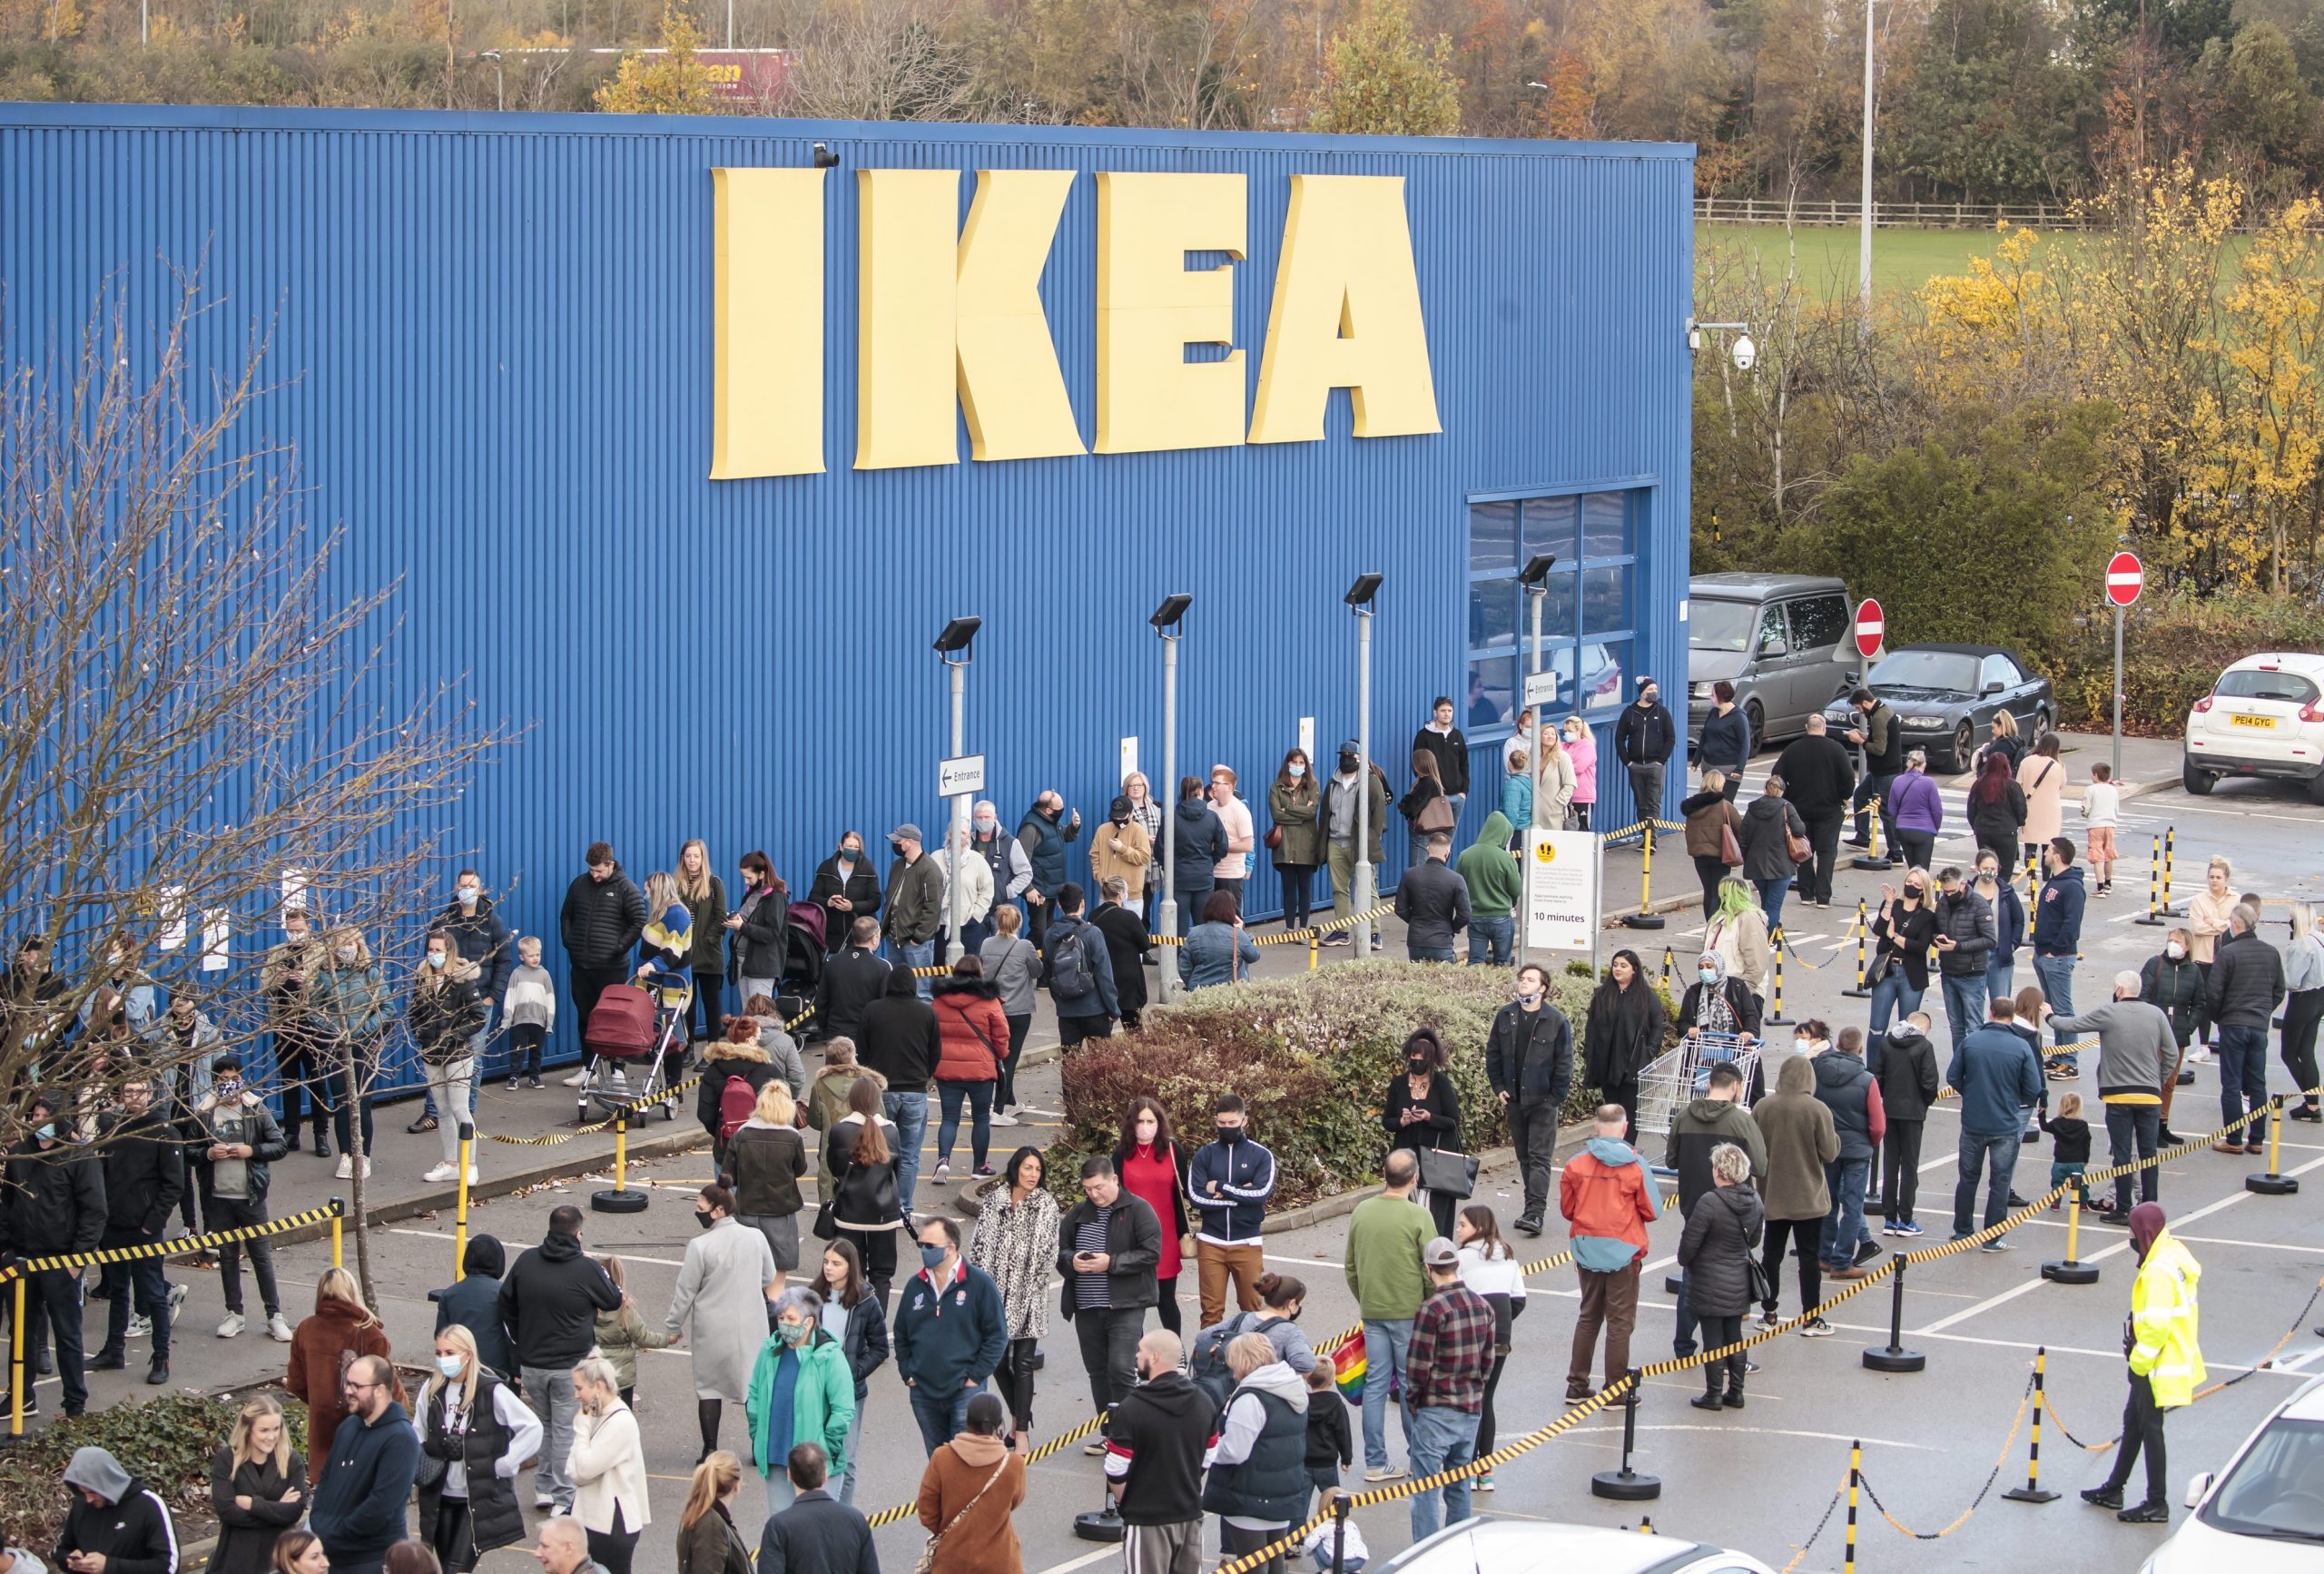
(1486, 1545)
(1776, 638)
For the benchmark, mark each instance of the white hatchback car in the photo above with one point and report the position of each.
(1486, 1545)
(2264, 717)
(2264, 1514)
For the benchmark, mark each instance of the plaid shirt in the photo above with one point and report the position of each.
(1451, 1354)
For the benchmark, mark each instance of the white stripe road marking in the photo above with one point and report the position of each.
(2121, 1245)
(2298, 1362)
(1099, 1556)
(446, 1235)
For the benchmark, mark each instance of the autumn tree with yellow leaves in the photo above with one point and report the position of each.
(674, 82)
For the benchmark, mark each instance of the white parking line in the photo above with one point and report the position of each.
(2031, 1285)
(446, 1235)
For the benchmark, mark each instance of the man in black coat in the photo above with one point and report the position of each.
(898, 1039)
(1529, 1061)
(851, 980)
(1434, 902)
(1108, 1249)
(1644, 740)
(1125, 934)
(549, 1304)
(817, 1534)
(603, 915)
(144, 1164)
(1818, 778)
(56, 1203)
(479, 935)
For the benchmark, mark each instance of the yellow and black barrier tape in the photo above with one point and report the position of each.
(669, 1095)
(184, 1246)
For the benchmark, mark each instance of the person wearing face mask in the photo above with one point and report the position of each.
(2162, 1340)
(1043, 834)
(2172, 981)
(479, 935)
(951, 1330)
(802, 1390)
(755, 958)
(1904, 927)
(475, 1434)
(1229, 1181)
(728, 1277)
(1146, 813)
(1582, 749)
(1529, 1061)
(1644, 740)
(301, 1059)
(144, 1172)
(1153, 1166)
(54, 1203)
(1422, 1113)
(1715, 1003)
(915, 903)
(448, 1010)
(549, 1304)
(1119, 849)
(352, 1005)
(1295, 804)
(1904, 1063)
(847, 887)
(240, 1143)
(1716, 1119)
(1341, 810)
(2009, 923)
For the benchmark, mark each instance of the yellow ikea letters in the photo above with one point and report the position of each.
(947, 321)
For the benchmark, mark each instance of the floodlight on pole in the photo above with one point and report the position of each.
(1165, 621)
(1359, 599)
(953, 645)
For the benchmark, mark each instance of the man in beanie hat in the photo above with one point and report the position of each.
(117, 1524)
(1340, 813)
(2166, 1364)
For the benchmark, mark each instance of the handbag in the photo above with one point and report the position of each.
(1441, 1169)
(1799, 847)
(1436, 815)
(1763, 1291)
(826, 1225)
(928, 1553)
(1730, 851)
(1274, 838)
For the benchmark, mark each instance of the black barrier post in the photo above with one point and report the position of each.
(1105, 1524)
(1627, 1485)
(2152, 917)
(1896, 1358)
(1774, 1015)
(2275, 1182)
(1340, 1507)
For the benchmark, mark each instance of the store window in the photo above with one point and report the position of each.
(1588, 604)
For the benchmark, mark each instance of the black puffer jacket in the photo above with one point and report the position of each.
(2247, 982)
(479, 934)
(601, 920)
(144, 1163)
(1715, 1250)
(1969, 918)
(55, 1199)
(445, 1013)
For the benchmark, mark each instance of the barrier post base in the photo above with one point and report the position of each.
(1895, 1359)
(2270, 1186)
(2069, 1272)
(1883, 862)
(2030, 1495)
(1672, 1283)
(1625, 1486)
(1098, 1525)
(618, 1200)
(1642, 921)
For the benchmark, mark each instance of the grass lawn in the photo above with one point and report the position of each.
(1902, 260)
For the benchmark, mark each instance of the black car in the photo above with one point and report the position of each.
(1946, 695)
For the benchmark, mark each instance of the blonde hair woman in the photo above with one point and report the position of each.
(341, 1328)
(708, 1542)
(447, 1011)
(608, 1467)
(474, 1426)
(704, 896)
(350, 1007)
(258, 1489)
(1580, 746)
(765, 1159)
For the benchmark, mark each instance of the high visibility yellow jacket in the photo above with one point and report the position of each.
(2163, 1347)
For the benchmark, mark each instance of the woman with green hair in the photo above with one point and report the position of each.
(1738, 931)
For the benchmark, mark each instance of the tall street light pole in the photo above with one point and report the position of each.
(1166, 620)
(1864, 248)
(1359, 602)
(952, 646)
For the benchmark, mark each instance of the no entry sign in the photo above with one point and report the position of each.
(1869, 627)
(2124, 578)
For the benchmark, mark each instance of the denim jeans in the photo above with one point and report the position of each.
(1385, 1340)
(1771, 893)
(1844, 1226)
(942, 1417)
(1996, 1153)
(2001, 979)
(1894, 995)
(1965, 1005)
(919, 954)
(2055, 975)
(1682, 1341)
(142, 1280)
(1429, 953)
(2242, 1078)
(910, 1112)
(1492, 940)
(1443, 1439)
(948, 1098)
(854, 1447)
(549, 1391)
(2133, 1131)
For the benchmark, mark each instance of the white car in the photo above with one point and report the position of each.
(2264, 1514)
(1486, 1545)
(2264, 717)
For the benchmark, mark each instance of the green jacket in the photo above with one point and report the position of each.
(1384, 1238)
(1496, 883)
(1296, 811)
(822, 1405)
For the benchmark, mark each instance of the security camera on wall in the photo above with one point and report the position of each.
(1747, 354)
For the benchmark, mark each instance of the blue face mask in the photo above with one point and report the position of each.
(931, 1257)
(1707, 975)
(48, 1133)
(1296, 770)
(228, 1091)
(450, 1365)
(467, 895)
(435, 959)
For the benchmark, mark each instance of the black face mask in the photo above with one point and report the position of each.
(1417, 1067)
(1347, 765)
(1230, 1133)
(705, 1220)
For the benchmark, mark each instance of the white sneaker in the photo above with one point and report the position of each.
(367, 1168)
(442, 1172)
(471, 1175)
(141, 1327)
(943, 1177)
(346, 1166)
(1000, 1118)
(231, 1327)
(621, 1080)
(177, 1300)
(542, 1501)
(578, 1079)
(1034, 1110)
(278, 1328)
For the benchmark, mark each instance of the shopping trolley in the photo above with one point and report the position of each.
(1671, 1081)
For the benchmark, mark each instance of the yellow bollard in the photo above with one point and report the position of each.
(2073, 1270)
(460, 1209)
(2033, 894)
(1856, 1474)
(337, 1220)
(1644, 918)
(1861, 991)
(2275, 1182)
(2152, 917)
(619, 1198)
(16, 1364)
(1314, 940)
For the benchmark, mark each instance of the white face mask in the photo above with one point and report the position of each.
(2175, 951)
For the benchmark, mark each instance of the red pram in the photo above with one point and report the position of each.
(633, 1027)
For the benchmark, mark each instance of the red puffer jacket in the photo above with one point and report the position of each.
(966, 1008)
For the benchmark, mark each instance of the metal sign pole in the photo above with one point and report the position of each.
(958, 822)
(2118, 692)
(1166, 914)
(1365, 876)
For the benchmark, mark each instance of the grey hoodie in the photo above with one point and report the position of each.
(1239, 1427)
(96, 1470)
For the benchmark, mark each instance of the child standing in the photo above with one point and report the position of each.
(2070, 1150)
(2101, 804)
(1330, 1445)
(530, 1010)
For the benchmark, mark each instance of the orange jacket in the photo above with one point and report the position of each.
(1605, 1202)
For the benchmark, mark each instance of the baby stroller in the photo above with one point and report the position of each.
(633, 1027)
(802, 958)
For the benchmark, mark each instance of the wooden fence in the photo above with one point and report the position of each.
(1884, 215)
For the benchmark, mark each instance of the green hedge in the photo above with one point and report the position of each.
(2173, 650)
(1312, 1055)
(165, 1442)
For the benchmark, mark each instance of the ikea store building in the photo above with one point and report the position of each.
(686, 437)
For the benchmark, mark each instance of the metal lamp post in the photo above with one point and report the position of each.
(1359, 600)
(1535, 578)
(952, 646)
(1166, 620)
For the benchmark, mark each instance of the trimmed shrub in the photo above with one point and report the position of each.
(165, 1442)
(1312, 1055)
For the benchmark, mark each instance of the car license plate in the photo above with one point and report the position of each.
(2265, 722)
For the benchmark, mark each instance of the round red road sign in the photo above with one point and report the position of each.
(2124, 578)
(1869, 627)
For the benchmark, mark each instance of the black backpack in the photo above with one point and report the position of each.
(1208, 1369)
(1068, 967)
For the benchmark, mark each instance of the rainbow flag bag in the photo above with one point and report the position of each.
(1347, 1370)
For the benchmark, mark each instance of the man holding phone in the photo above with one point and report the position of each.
(1108, 1249)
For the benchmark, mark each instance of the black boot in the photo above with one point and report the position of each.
(1709, 1399)
(322, 1143)
(159, 1372)
(1734, 1383)
(112, 1358)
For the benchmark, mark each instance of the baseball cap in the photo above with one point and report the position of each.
(907, 831)
(1441, 1253)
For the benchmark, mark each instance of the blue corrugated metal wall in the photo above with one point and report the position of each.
(493, 334)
